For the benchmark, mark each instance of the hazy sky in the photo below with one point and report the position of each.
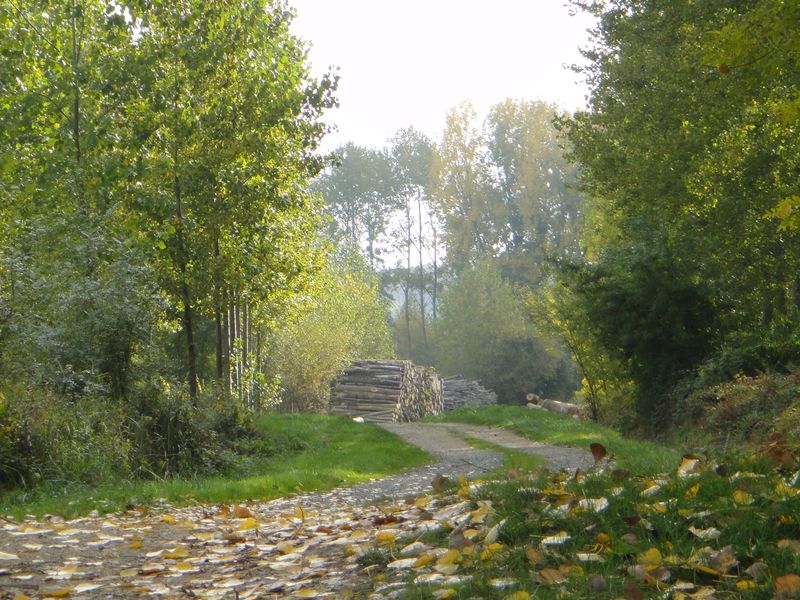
(406, 62)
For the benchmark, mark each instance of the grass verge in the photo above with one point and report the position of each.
(635, 455)
(300, 453)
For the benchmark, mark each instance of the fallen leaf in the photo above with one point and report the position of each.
(519, 595)
(759, 571)
(242, 512)
(7, 556)
(651, 559)
(743, 498)
(442, 594)
(723, 561)
(534, 555)
(787, 587)
(552, 576)
(599, 451)
(711, 533)
(690, 464)
(791, 545)
(556, 540)
(597, 584)
(248, 524)
(631, 591)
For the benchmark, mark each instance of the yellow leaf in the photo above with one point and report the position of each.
(651, 559)
(742, 497)
(422, 561)
(746, 584)
(690, 465)
(692, 491)
(22, 597)
(135, 545)
(299, 513)
(57, 593)
(284, 547)
(520, 595)
(385, 538)
(167, 519)
(184, 566)
(179, 552)
(450, 557)
(306, 593)
(442, 594)
(129, 572)
(248, 524)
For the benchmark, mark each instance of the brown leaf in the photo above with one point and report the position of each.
(597, 584)
(534, 555)
(724, 561)
(552, 576)
(599, 451)
(242, 512)
(440, 483)
(759, 571)
(787, 587)
(631, 591)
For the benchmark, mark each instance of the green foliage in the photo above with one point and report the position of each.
(689, 155)
(345, 318)
(486, 333)
(656, 320)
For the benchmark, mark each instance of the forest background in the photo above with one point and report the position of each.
(176, 257)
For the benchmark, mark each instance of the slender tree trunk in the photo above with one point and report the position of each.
(435, 272)
(234, 383)
(186, 297)
(407, 287)
(421, 272)
(218, 314)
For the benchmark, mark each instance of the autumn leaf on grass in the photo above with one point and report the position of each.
(551, 576)
(787, 587)
(556, 540)
(690, 465)
(742, 498)
(448, 562)
(599, 451)
(651, 559)
(723, 561)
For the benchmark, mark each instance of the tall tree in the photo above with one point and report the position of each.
(360, 194)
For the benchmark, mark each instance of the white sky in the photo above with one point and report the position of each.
(407, 62)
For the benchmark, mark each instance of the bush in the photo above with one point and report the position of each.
(347, 319)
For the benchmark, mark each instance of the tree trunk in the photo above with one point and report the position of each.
(407, 287)
(421, 272)
(218, 315)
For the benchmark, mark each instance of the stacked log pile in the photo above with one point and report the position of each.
(387, 390)
(460, 392)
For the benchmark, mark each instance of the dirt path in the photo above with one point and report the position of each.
(304, 546)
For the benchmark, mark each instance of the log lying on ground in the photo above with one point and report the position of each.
(387, 390)
(556, 406)
(460, 392)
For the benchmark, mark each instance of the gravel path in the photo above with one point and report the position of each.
(455, 458)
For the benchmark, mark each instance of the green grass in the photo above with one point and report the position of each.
(512, 459)
(635, 455)
(306, 453)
